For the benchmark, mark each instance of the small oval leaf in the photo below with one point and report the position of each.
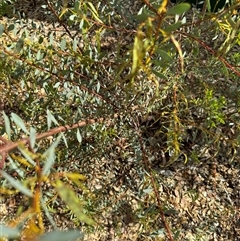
(10, 27)
(79, 137)
(179, 9)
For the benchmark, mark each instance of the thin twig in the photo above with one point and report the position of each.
(148, 167)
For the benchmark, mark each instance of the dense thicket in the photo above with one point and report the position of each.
(120, 120)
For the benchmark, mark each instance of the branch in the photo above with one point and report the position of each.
(9, 146)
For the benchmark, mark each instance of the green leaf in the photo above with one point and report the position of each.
(75, 44)
(160, 75)
(50, 154)
(63, 44)
(51, 38)
(138, 52)
(40, 40)
(32, 137)
(173, 27)
(79, 137)
(81, 24)
(64, 11)
(143, 15)
(148, 190)
(72, 201)
(15, 183)
(47, 211)
(164, 55)
(19, 45)
(94, 12)
(11, 27)
(27, 156)
(50, 119)
(61, 235)
(98, 86)
(19, 122)
(39, 55)
(65, 140)
(7, 125)
(72, 17)
(10, 233)
(1, 29)
(179, 9)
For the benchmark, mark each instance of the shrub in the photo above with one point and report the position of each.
(112, 90)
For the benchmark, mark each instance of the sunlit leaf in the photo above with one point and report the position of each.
(98, 86)
(15, 167)
(50, 119)
(72, 201)
(73, 176)
(19, 122)
(78, 179)
(148, 190)
(64, 10)
(28, 155)
(51, 39)
(7, 191)
(7, 125)
(39, 55)
(75, 44)
(63, 44)
(178, 47)
(20, 160)
(79, 137)
(94, 12)
(32, 137)
(50, 155)
(138, 52)
(81, 24)
(65, 140)
(72, 17)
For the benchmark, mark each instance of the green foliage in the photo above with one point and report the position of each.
(111, 86)
(5, 8)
